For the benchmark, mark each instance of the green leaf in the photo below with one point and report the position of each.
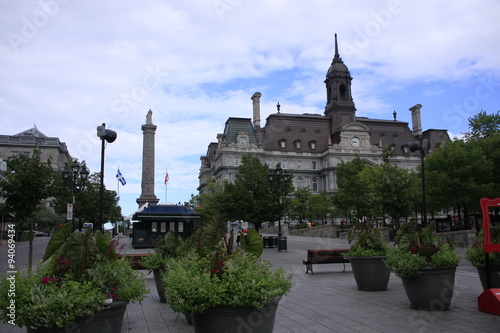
(252, 242)
(57, 241)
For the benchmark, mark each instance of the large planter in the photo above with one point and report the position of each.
(432, 290)
(157, 273)
(229, 319)
(494, 276)
(108, 320)
(370, 273)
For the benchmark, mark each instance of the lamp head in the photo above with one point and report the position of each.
(414, 146)
(109, 135)
(75, 166)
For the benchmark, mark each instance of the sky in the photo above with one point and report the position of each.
(68, 66)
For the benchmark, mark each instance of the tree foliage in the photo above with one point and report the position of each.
(483, 125)
(391, 190)
(28, 181)
(461, 172)
(458, 175)
(352, 196)
(87, 200)
(249, 198)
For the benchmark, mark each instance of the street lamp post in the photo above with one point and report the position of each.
(277, 180)
(109, 136)
(78, 175)
(421, 146)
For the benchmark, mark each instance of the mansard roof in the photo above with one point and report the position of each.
(305, 128)
(388, 132)
(234, 126)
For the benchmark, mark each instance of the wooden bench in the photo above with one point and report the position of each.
(135, 258)
(325, 256)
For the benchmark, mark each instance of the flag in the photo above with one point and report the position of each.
(166, 178)
(120, 177)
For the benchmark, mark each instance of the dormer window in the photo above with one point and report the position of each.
(242, 139)
(312, 145)
(297, 144)
(282, 143)
(243, 142)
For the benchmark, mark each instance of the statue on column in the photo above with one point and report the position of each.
(149, 118)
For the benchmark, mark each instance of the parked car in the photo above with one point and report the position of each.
(41, 234)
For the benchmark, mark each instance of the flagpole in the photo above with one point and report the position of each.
(166, 184)
(118, 186)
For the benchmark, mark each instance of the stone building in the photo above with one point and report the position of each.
(310, 146)
(25, 142)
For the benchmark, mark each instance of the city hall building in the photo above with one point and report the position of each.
(311, 146)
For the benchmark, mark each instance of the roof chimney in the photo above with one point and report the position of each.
(256, 108)
(416, 121)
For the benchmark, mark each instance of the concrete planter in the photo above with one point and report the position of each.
(494, 276)
(370, 273)
(432, 290)
(236, 319)
(157, 273)
(107, 320)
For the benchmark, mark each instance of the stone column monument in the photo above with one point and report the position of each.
(148, 163)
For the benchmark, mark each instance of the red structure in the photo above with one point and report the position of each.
(489, 300)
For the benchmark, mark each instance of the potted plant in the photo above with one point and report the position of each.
(168, 247)
(367, 254)
(80, 285)
(426, 265)
(224, 288)
(476, 255)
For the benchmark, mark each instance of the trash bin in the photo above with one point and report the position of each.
(273, 241)
(266, 241)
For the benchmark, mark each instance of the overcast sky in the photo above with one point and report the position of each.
(67, 66)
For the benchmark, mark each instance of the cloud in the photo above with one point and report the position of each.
(69, 66)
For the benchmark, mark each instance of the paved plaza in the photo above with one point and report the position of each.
(328, 301)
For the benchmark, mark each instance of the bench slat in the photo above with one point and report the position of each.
(325, 256)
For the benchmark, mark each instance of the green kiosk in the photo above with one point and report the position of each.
(154, 222)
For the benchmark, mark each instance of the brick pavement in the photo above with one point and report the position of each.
(328, 301)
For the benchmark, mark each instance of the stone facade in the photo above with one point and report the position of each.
(311, 146)
(25, 142)
(148, 163)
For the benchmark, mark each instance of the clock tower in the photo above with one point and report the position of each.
(339, 104)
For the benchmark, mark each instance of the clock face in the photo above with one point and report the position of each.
(355, 142)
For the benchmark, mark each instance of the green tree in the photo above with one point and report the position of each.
(320, 207)
(490, 148)
(28, 182)
(87, 200)
(351, 196)
(211, 202)
(458, 175)
(299, 204)
(391, 190)
(483, 125)
(249, 198)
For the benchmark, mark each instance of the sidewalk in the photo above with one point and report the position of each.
(328, 301)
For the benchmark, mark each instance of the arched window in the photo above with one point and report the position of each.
(343, 92)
